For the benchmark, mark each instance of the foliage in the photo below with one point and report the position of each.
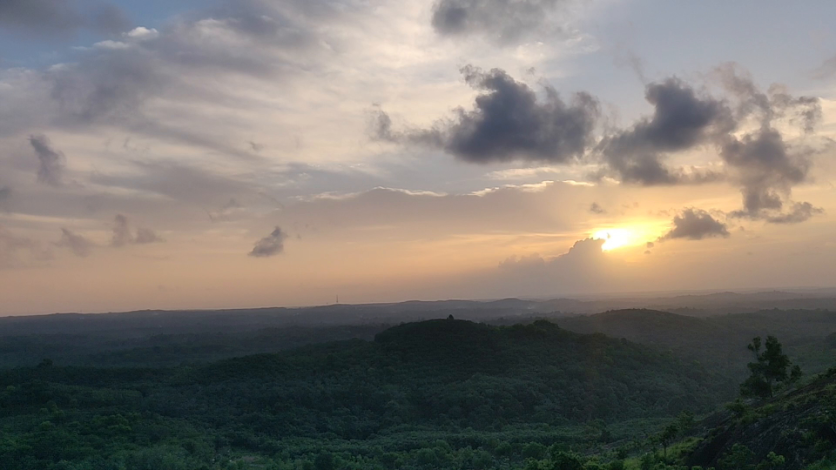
(771, 367)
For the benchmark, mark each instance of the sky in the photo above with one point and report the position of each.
(252, 153)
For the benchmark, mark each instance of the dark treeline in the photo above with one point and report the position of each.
(493, 390)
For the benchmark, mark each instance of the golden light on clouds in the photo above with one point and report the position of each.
(615, 238)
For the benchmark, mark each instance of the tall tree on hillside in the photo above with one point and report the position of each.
(770, 368)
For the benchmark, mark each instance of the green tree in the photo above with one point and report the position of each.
(667, 438)
(771, 367)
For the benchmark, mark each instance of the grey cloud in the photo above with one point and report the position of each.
(595, 208)
(502, 21)
(767, 106)
(270, 245)
(78, 244)
(682, 119)
(695, 224)
(762, 162)
(580, 269)
(122, 233)
(507, 123)
(50, 161)
(113, 81)
(800, 212)
(61, 17)
(766, 169)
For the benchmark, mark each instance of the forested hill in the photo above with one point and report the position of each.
(451, 375)
(797, 428)
(719, 342)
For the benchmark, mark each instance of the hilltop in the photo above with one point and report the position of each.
(466, 383)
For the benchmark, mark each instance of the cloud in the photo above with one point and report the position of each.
(78, 244)
(507, 123)
(502, 21)
(157, 82)
(762, 164)
(583, 267)
(595, 208)
(800, 212)
(122, 234)
(682, 119)
(60, 17)
(50, 161)
(769, 106)
(695, 224)
(270, 245)
(761, 161)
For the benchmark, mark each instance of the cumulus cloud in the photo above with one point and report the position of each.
(76, 243)
(50, 161)
(502, 21)
(682, 119)
(61, 17)
(582, 267)
(270, 245)
(122, 233)
(695, 224)
(761, 161)
(507, 123)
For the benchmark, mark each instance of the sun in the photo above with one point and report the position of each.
(615, 238)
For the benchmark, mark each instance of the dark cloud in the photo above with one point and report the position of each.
(682, 119)
(595, 208)
(507, 123)
(270, 245)
(78, 244)
(50, 161)
(502, 21)
(123, 235)
(762, 164)
(57, 18)
(695, 224)
(800, 212)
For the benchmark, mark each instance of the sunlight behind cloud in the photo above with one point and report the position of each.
(615, 238)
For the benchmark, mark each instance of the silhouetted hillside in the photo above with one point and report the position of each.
(451, 375)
